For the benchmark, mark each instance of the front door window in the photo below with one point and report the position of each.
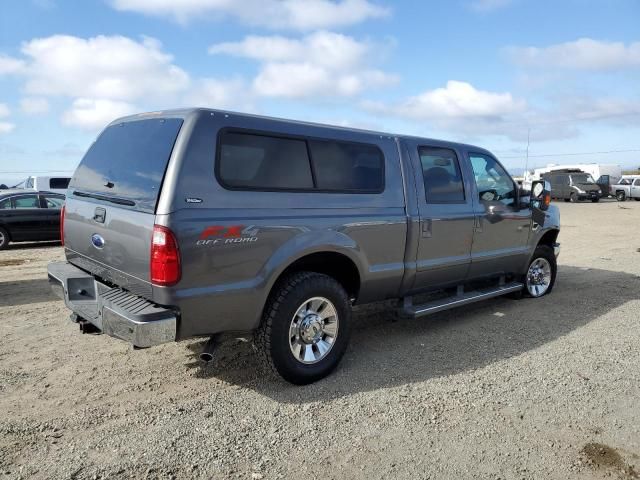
(494, 183)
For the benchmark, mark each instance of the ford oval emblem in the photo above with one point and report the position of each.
(97, 240)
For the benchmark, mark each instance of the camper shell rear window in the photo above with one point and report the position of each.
(126, 164)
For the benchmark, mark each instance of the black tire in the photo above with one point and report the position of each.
(573, 198)
(566, 199)
(637, 199)
(621, 196)
(595, 200)
(272, 338)
(545, 252)
(4, 238)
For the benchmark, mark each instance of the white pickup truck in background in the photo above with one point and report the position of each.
(627, 187)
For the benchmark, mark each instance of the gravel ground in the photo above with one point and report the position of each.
(546, 388)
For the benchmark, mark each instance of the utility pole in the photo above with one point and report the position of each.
(526, 162)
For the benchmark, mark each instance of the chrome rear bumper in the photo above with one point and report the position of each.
(114, 311)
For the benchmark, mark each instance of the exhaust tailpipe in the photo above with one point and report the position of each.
(88, 327)
(209, 349)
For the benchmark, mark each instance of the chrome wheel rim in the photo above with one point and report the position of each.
(313, 330)
(539, 277)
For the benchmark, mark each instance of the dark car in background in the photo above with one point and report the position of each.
(29, 216)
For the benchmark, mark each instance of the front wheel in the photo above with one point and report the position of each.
(621, 196)
(595, 200)
(541, 273)
(573, 198)
(305, 327)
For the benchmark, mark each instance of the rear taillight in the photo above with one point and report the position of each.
(165, 257)
(62, 224)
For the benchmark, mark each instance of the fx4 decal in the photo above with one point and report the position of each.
(221, 235)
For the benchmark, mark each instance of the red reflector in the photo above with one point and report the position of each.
(62, 211)
(165, 257)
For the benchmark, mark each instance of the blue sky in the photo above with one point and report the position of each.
(479, 71)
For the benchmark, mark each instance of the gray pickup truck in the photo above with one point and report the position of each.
(203, 223)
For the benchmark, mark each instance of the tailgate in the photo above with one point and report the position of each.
(112, 197)
(116, 250)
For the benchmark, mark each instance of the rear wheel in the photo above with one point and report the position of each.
(621, 196)
(595, 200)
(573, 198)
(305, 327)
(4, 238)
(541, 273)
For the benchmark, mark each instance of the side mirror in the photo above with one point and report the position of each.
(541, 194)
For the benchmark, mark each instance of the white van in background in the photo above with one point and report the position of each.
(49, 184)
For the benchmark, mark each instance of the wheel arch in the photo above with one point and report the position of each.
(332, 263)
(549, 238)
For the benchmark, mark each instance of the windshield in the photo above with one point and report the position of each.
(583, 178)
(128, 161)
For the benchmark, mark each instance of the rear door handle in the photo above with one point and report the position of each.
(477, 223)
(427, 228)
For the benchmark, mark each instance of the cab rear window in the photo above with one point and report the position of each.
(128, 161)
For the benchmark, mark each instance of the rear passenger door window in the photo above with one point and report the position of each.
(26, 201)
(248, 161)
(441, 174)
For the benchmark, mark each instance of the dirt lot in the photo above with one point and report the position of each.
(546, 388)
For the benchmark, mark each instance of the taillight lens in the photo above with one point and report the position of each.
(165, 257)
(62, 224)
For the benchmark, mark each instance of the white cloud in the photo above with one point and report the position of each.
(488, 5)
(457, 100)
(6, 127)
(462, 109)
(581, 54)
(34, 105)
(4, 110)
(231, 94)
(103, 78)
(116, 68)
(92, 114)
(10, 65)
(276, 14)
(320, 64)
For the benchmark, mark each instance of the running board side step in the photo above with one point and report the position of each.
(409, 310)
